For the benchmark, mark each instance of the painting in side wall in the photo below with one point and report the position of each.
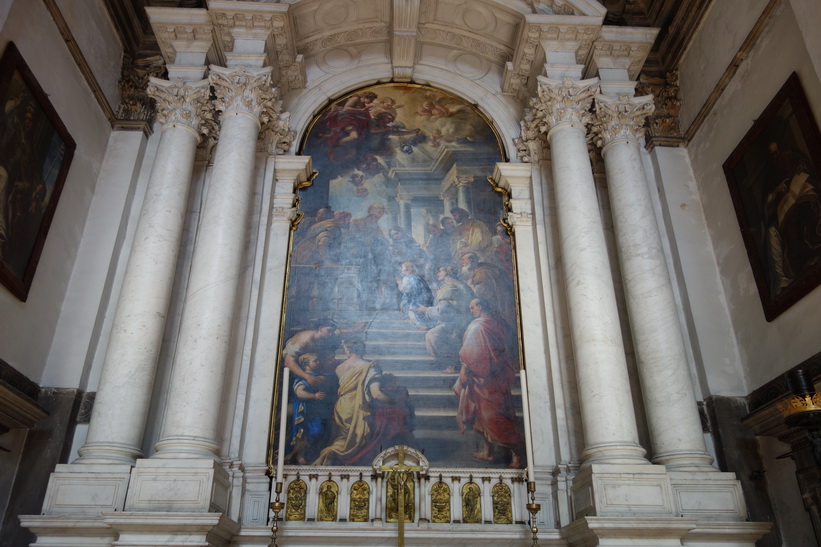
(401, 317)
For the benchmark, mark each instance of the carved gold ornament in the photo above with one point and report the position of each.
(440, 503)
(360, 500)
(295, 508)
(328, 496)
(502, 512)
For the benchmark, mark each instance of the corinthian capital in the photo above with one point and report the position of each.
(183, 103)
(246, 90)
(621, 119)
(563, 102)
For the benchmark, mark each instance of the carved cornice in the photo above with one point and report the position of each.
(563, 102)
(520, 219)
(543, 31)
(621, 119)
(480, 45)
(170, 34)
(283, 214)
(664, 127)
(347, 37)
(621, 47)
(135, 104)
(183, 103)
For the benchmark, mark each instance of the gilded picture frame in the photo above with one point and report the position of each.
(35, 154)
(400, 256)
(773, 177)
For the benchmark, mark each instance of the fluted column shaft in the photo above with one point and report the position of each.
(192, 416)
(124, 392)
(669, 398)
(601, 369)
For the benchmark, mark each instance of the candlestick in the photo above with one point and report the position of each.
(526, 417)
(283, 422)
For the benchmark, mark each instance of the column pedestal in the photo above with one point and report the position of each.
(196, 485)
(86, 489)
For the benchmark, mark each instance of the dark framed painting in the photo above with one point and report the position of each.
(35, 154)
(773, 175)
(401, 320)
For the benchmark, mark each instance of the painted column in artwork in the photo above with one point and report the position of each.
(463, 197)
(607, 412)
(246, 99)
(447, 201)
(124, 393)
(404, 200)
(667, 388)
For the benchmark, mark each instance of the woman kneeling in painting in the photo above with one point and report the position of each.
(370, 411)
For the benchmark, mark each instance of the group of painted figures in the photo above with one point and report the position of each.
(457, 287)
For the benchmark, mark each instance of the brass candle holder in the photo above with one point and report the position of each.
(277, 507)
(534, 509)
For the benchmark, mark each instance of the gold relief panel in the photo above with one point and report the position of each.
(393, 497)
(295, 505)
(440, 503)
(471, 504)
(328, 496)
(502, 512)
(360, 500)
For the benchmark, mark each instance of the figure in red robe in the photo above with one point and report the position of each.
(489, 368)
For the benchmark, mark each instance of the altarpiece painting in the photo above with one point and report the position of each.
(401, 322)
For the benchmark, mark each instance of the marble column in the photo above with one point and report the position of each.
(610, 433)
(669, 397)
(245, 97)
(124, 393)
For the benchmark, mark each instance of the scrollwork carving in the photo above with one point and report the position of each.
(563, 102)
(621, 119)
(135, 103)
(502, 512)
(360, 500)
(247, 90)
(440, 503)
(296, 500)
(183, 103)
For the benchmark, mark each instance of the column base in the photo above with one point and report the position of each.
(178, 485)
(622, 491)
(172, 529)
(133, 529)
(710, 496)
(68, 531)
(86, 489)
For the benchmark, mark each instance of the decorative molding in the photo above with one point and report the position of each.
(664, 127)
(621, 119)
(620, 47)
(531, 146)
(360, 35)
(135, 103)
(80, 60)
(86, 406)
(539, 33)
(563, 102)
(183, 103)
(451, 37)
(241, 89)
(403, 40)
(742, 53)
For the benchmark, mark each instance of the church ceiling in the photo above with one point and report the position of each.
(489, 33)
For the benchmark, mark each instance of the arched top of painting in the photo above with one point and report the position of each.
(404, 126)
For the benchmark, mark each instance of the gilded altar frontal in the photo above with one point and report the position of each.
(401, 316)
